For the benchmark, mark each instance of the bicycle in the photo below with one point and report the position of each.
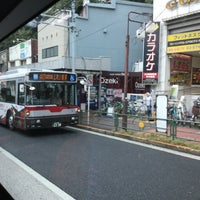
(139, 116)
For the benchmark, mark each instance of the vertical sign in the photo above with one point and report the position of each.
(151, 55)
(161, 113)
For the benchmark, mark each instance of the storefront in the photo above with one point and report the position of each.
(179, 59)
(112, 87)
(183, 51)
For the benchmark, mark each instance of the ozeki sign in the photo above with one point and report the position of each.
(151, 57)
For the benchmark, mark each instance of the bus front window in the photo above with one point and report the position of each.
(48, 93)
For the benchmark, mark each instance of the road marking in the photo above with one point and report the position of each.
(22, 172)
(187, 155)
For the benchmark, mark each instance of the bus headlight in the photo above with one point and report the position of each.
(27, 112)
(77, 109)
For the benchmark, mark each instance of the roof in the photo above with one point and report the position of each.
(16, 13)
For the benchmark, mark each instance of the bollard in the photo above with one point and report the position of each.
(116, 122)
(173, 128)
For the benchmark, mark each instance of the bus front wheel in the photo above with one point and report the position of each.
(10, 120)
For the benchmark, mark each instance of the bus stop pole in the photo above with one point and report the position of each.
(88, 111)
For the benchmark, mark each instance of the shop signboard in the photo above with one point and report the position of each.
(172, 4)
(184, 42)
(151, 55)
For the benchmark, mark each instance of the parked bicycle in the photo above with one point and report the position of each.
(196, 112)
(177, 111)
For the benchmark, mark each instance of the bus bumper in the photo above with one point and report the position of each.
(51, 122)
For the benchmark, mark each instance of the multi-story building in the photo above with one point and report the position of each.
(22, 54)
(103, 28)
(100, 33)
(179, 55)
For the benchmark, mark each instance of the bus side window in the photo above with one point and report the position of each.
(6, 94)
(21, 94)
(3, 95)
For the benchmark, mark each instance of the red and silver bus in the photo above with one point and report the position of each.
(31, 99)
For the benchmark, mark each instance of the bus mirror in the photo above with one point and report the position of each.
(32, 88)
(21, 88)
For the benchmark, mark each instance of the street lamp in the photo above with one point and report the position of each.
(84, 81)
(125, 102)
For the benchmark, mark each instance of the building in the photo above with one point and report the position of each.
(54, 47)
(102, 31)
(22, 54)
(179, 55)
(100, 34)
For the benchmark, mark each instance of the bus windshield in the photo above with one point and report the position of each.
(48, 93)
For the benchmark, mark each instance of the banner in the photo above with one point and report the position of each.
(151, 57)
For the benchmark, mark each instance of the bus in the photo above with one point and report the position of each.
(34, 99)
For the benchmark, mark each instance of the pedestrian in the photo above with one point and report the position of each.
(148, 104)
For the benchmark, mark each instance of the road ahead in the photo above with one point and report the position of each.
(91, 167)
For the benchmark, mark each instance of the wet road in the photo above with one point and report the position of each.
(91, 167)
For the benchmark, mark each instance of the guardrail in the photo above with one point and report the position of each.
(186, 129)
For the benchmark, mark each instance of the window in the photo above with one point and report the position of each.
(47, 93)
(21, 94)
(8, 91)
(50, 52)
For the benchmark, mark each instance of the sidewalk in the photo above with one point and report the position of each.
(108, 122)
(107, 125)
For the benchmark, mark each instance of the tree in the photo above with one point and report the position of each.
(24, 33)
(65, 4)
(27, 32)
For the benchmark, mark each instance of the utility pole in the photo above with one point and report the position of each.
(125, 102)
(73, 35)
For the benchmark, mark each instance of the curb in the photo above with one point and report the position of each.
(31, 186)
(179, 148)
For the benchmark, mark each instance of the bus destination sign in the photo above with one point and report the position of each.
(45, 76)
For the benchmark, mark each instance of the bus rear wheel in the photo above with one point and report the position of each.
(10, 121)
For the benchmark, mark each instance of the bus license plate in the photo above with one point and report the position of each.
(56, 124)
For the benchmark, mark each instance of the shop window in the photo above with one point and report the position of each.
(180, 69)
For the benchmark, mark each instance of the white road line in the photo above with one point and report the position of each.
(15, 174)
(140, 144)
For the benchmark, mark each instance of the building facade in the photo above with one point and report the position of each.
(100, 33)
(103, 28)
(22, 54)
(179, 55)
